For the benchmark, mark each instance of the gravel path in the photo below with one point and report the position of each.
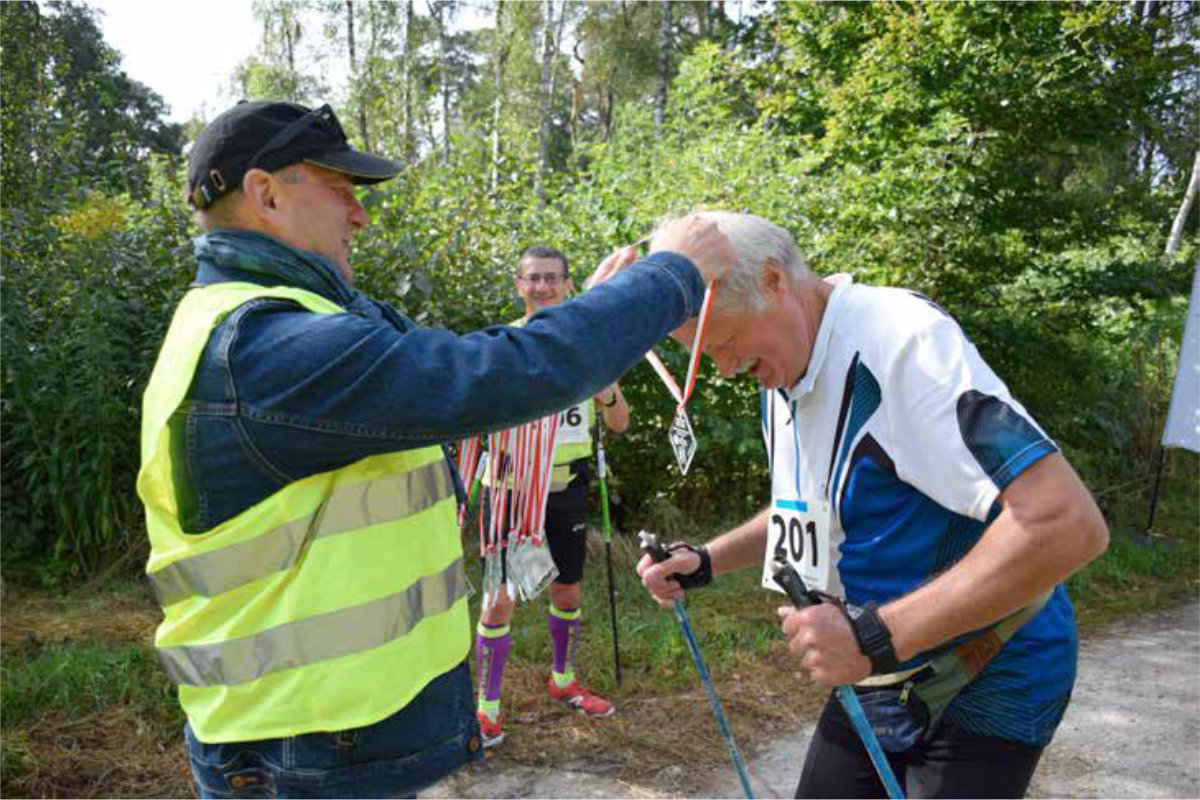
(1132, 730)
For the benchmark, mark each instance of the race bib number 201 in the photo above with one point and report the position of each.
(798, 534)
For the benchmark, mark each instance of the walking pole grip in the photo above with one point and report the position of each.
(653, 547)
(789, 580)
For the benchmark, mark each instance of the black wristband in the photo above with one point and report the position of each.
(702, 575)
(874, 638)
(613, 403)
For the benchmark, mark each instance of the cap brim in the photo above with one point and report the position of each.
(361, 167)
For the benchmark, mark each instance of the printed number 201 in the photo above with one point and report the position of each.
(790, 540)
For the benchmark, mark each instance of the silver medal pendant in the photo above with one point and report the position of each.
(539, 569)
(491, 578)
(683, 440)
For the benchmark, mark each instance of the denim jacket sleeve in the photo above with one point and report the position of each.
(315, 391)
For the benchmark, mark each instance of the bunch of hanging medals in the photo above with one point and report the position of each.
(681, 435)
(521, 459)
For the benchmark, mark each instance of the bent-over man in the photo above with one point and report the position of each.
(908, 482)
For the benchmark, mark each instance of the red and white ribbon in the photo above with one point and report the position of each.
(682, 396)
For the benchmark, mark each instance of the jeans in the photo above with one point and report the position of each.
(430, 737)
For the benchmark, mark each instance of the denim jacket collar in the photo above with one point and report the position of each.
(227, 254)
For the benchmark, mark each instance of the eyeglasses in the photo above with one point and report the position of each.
(550, 278)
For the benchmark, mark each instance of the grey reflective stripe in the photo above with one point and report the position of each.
(317, 638)
(349, 508)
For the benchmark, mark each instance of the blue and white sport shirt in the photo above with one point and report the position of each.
(906, 432)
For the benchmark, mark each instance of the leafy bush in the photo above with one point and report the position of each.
(990, 156)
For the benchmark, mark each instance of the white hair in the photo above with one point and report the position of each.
(755, 241)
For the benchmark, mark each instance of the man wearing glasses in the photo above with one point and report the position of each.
(299, 504)
(543, 280)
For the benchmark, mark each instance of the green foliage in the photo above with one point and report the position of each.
(71, 116)
(77, 680)
(1018, 163)
(79, 340)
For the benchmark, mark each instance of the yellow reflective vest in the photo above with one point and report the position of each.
(327, 606)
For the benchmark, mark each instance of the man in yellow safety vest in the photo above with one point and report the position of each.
(299, 504)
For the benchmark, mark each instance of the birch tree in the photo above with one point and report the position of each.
(408, 59)
(442, 12)
(356, 79)
(664, 66)
(1185, 208)
(501, 56)
(544, 97)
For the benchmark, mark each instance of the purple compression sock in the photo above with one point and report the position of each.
(491, 651)
(564, 633)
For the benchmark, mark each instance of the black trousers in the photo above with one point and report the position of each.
(949, 764)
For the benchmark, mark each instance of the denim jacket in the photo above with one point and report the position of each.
(282, 393)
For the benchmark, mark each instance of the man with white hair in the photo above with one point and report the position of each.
(909, 486)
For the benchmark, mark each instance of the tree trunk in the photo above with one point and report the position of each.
(576, 93)
(1185, 209)
(664, 67)
(410, 148)
(558, 34)
(501, 57)
(290, 35)
(355, 80)
(544, 129)
(606, 110)
(437, 10)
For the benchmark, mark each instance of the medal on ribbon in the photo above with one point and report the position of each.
(512, 541)
(681, 435)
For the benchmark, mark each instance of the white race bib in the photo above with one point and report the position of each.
(572, 425)
(798, 533)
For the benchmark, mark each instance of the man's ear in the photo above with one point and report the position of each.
(774, 279)
(259, 188)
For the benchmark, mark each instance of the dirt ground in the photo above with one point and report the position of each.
(1132, 730)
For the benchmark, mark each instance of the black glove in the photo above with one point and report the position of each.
(703, 575)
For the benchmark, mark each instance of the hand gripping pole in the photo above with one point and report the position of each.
(659, 553)
(789, 580)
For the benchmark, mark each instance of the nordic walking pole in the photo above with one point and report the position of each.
(659, 553)
(790, 581)
(602, 468)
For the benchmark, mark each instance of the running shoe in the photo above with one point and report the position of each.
(492, 735)
(582, 700)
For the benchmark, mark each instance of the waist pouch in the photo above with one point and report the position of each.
(929, 690)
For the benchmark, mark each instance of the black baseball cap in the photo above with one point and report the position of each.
(270, 136)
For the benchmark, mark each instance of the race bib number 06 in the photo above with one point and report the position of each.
(798, 534)
(572, 426)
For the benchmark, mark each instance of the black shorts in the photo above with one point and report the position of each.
(566, 530)
(949, 764)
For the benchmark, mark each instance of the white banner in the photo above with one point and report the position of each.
(1183, 419)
